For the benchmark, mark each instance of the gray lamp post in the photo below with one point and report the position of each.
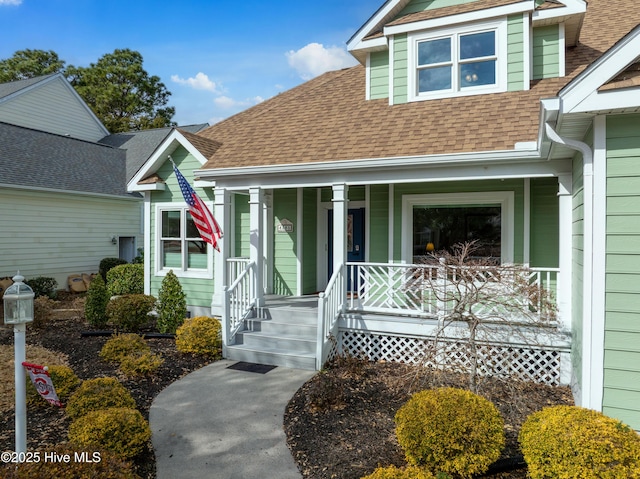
(18, 310)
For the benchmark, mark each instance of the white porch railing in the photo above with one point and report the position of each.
(331, 304)
(423, 289)
(239, 298)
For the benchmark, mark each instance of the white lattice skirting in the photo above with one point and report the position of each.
(541, 365)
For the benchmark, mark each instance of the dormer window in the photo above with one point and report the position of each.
(463, 62)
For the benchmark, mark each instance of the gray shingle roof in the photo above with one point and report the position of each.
(7, 89)
(140, 145)
(37, 159)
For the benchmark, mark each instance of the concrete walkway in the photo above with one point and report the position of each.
(224, 423)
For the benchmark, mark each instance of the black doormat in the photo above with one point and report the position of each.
(251, 367)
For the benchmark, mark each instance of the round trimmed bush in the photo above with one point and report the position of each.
(450, 430)
(122, 345)
(200, 335)
(125, 279)
(129, 313)
(122, 431)
(106, 264)
(140, 363)
(64, 381)
(572, 442)
(96, 394)
(109, 466)
(393, 472)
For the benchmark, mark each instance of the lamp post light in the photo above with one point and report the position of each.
(18, 310)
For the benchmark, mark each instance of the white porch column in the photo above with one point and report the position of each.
(565, 204)
(256, 242)
(340, 211)
(223, 217)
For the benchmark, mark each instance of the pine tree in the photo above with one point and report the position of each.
(95, 308)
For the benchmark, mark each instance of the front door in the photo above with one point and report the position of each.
(355, 241)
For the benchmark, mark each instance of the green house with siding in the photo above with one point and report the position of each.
(512, 123)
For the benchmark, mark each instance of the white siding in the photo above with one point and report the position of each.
(52, 107)
(58, 234)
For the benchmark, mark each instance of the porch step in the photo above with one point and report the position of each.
(282, 334)
(273, 357)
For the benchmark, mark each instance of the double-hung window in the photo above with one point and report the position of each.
(180, 247)
(464, 62)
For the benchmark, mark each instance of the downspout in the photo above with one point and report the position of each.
(586, 385)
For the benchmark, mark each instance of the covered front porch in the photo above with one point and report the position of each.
(345, 264)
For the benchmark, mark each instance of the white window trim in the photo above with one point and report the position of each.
(500, 28)
(505, 199)
(180, 273)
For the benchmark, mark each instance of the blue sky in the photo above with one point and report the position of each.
(216, 57)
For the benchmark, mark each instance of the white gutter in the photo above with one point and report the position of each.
(587, 382)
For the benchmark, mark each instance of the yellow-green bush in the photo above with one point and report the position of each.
(140, 364)
(393, 472)
(96, 394)
(122, 431)
(569, 442)
(129, 313)
(121, 345)
(64, 381)
(200, 335)
(104, 465)
(450, 430)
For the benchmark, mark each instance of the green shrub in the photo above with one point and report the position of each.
(200, 335)
(140, 363)
(43, 286)
(122, 431)
(125, 279)
(570, 442)
(103, 465)
(450, 430)
(95, 306)
(122, 345)
(64, 381)
(96, 394)
(393, 472)
(129, 313)
(106, 264)
(172, 304)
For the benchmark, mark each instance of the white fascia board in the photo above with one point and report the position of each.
(373, 44)
(378, 18)
(147, 187)
(471, 17)
(160, 156)
(609, 100)
(610, 64)
(501, 170)
(571, 7)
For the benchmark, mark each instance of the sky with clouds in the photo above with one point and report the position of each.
(216, 57)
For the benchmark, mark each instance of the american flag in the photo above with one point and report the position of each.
(207, 225)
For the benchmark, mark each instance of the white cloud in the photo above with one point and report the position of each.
(315, 59)
(227, 103)
(10, 2)
(199, 82)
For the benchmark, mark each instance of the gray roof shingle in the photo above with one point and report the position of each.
(10, 88)
(36, 159)
(140, 145)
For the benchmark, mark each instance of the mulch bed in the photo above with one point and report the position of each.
(340, 424)
(48, 426)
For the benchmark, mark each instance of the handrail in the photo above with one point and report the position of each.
(331, 303)
(239, 302)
